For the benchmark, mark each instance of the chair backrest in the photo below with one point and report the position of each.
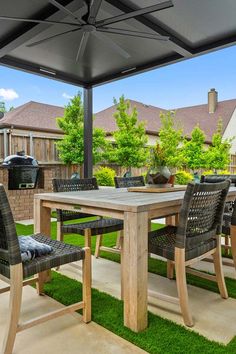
(9, 244)
(201, 213)
(72, 185)
(125, 182)
(218, 178)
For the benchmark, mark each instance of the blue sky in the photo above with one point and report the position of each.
(178, 85)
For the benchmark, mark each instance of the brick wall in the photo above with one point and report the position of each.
(22, 201)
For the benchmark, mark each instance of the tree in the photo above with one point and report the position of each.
(130, 139)
(218, 154)
(3, 107)
(193, 151)
(71, 147)
(170, 138)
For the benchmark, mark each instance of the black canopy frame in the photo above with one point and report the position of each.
(191, 27)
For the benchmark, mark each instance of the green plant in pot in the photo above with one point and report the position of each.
(166, 156)
(158, 173)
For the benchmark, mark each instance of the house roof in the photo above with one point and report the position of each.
(42, 117)
(150, 114)
(187, 117)
(33, 116)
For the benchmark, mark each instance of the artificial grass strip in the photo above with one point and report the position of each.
(154, 265)
(161, 336)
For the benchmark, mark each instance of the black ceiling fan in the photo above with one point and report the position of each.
(88, 25)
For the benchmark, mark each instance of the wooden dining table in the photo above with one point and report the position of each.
(136, 209)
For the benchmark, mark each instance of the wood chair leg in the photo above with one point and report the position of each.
(170, 270)
(98, 245)
(118, 240)
(226, 244)
(233, 243)
(121, 265)
(219, 270)
(16, 286)
(87, 235)
(40, 283)
(87, 285)
(180, 272)
(60, 236)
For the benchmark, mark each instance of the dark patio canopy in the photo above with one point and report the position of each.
(91, 42)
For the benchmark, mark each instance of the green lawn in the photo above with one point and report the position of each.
(162, 336)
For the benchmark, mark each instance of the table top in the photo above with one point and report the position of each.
(120, 199)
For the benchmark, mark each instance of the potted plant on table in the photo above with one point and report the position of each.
(166, 156)
(159, 173)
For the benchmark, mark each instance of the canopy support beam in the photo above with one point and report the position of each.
(88, 132)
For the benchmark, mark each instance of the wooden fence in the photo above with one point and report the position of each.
(42, 147)
(232, 166)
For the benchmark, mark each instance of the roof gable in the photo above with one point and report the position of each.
(35, 116)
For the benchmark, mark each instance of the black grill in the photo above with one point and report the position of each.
(23, 171)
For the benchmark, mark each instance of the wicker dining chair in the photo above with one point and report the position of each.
(125, 182)
(86, 228)
(196, 236)
(229, 216)
(13, 271)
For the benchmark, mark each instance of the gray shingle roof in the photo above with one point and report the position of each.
(40, 116)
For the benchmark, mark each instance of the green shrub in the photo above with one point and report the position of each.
(183, 177)
(208, 172)
(105, 176)
(221, 172)
(224, 172)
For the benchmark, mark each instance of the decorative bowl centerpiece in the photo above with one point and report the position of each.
(159, 174)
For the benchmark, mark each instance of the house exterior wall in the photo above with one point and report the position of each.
(230, 132)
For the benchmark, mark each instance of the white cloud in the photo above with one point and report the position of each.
(65, 95)
(8, 94)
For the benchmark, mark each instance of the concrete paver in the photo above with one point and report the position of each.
(63, 335)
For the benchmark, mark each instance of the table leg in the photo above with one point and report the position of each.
(135, 250)
(42, 224)
(42, 218)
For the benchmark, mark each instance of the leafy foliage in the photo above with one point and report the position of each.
(208, 172)
(224, 172)
(71, 147)
(130, 138)
(218, 154)
(170, 138)
(3, 107)
(183, 177)
(105, 176)
(193, 151)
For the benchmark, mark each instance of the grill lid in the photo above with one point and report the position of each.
(20, 160)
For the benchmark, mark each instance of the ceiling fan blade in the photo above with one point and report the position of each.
(82, 46)
(65, 10)
(135, 13)
(52, 37)
(108, 41)
(94, 9)
(30, 20)
(133, 33)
